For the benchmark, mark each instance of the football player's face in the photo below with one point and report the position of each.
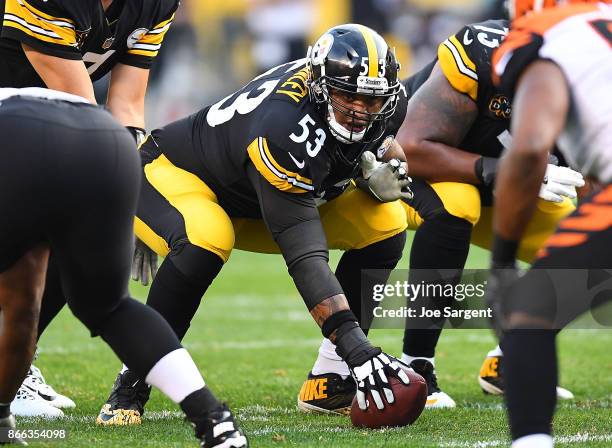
(353, 110)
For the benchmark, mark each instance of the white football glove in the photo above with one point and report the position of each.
(371, 377)
(560, 181)
(144, 263)
(386, 181)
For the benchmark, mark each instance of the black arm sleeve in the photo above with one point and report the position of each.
(293, 221)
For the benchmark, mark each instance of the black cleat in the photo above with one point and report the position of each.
(125, 404)
(327, 393)
(436, 398)
(218, 429)
(7, 424)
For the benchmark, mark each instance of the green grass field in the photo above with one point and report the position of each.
(255, 342)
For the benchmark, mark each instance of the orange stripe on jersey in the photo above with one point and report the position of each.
(542, 22)
(604, 197)
(592, 217)
(566, 239)
(538, 23)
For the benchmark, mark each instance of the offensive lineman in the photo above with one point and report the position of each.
(70, 178)
(65, 45)
(264, 157)
(558, 63)
(451, 139)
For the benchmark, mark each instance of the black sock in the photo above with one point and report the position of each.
(198, 403)
(530, 374)
(5, 410)
(53, 299)
(143, 348)
(382, 255)
(180, 283)
(442, 242)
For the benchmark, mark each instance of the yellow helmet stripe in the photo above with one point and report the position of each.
(372, 51)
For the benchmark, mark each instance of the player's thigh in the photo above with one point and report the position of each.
(355, 220)
(91, 233)
(177, 207)
(431, 199)
(541, 226)
(351, 221)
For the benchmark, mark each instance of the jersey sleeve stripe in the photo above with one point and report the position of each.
(277, 178)
(42, 15)
(147, 47)
(263, 143)
(159, 30)
(465, 64)
(164, 23)
(150, 43)
(57, 31)
(372, 51)
(460, 77)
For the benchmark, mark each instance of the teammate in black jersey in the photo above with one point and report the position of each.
(70, 177)
(269, 169)
(65, 45)
(452, 137)
(456, 127)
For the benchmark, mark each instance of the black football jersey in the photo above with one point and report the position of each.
(465, 60)
(129, 32)
(272, 123)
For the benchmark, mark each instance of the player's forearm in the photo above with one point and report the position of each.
(128, 113)
(437, 162)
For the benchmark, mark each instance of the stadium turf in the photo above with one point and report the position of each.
(255, 342)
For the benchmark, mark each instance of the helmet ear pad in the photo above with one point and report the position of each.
(355, 60)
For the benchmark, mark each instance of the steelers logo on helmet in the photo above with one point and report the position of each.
(321, 49)
(353, 82)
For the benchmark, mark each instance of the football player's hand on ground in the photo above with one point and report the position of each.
(372, 377)
(144, 264)
(560, 181)
(386, 181)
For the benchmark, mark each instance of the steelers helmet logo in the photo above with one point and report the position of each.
(321, 49)
(136, 36)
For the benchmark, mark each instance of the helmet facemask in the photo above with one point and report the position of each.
(350, 125)
(355, 106)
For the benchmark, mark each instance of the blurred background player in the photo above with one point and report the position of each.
(269, 169)
(66, 45)
(558, 63)
(452, 137)
(70, 178)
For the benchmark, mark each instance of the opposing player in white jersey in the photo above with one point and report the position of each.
(558, 62)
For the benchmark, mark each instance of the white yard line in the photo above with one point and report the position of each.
(565, 440)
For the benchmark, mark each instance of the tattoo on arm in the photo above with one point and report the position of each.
(326, 308)
(439, 113)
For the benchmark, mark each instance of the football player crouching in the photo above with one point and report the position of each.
(269, 169)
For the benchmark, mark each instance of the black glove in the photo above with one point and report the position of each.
(144, 263)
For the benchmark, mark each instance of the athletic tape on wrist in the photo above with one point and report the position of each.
(334, 321)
